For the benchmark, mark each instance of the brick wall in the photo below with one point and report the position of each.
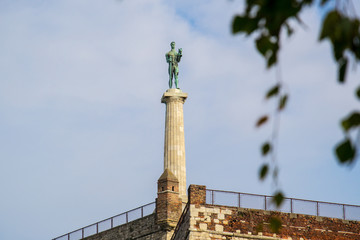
(197, 194)
(168, 202)
(222, 222)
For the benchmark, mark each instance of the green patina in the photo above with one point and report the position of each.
(173, 58)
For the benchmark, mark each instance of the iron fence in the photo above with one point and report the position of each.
(109, 223)
(289, 205)
(181, 220)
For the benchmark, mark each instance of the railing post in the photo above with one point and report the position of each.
(212, 197)
(344, 212)
(127, 218)
(291, 205)
(265, 202)
(68, 236)
(112, 222)
(239, 199)
(97, 227)
(317, 208)
(82, 233)
(142, 211)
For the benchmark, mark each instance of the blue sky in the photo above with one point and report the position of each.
(82, 125)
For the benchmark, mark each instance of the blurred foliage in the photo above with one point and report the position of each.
(275, 224)
(266, 148)
(262, 120)
(263, 171)
(278, 198)
(267, 20)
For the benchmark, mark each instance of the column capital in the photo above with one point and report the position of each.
(174, 95)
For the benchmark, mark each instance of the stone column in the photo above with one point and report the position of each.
(174, 146)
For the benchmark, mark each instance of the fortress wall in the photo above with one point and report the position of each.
(142, 229)
(183, 232)
(222, 222)
(209, 222)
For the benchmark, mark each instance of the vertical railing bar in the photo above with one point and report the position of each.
(127, 218)
(97, 227)
(344, 212)
(68, 236)
(291, 205)
(239, 200)
(212, 197)
(142, 211)
(82, 233)
(265, 202)
(317, 208)
(112, 222)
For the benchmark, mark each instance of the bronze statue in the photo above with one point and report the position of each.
(173, 58)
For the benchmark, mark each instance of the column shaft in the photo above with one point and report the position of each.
(174, 145)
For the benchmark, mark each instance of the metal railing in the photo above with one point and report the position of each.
(289, 205)
(109, 223)
(181, 220)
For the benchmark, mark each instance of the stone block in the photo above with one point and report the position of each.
(203, 226)
(219, 228)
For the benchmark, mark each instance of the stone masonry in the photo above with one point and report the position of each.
(144, 228)
(201, 221)
(222, 222)
(174, 145)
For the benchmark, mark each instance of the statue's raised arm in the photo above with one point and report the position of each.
(173, 58)
(179, 55)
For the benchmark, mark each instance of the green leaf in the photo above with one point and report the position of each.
(358, 93)
(278, 198)
(268, 46)
(282, 102)
(352, 121)
(275, 224)
(342, 69)
(331, 20)
(273, 91)
(262, 120)
(345, 151)
(242, 24)
(263, 44)
(263, 171)
(344, 34)
(272, 59)
(265, 148)
(237, 24)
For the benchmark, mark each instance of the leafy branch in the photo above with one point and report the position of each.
(267, 19)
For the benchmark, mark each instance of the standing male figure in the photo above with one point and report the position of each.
(173, 58)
